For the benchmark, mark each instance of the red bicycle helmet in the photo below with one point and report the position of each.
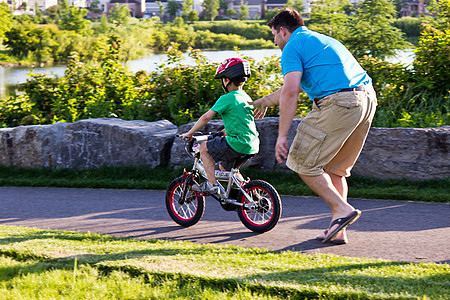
(232, 68)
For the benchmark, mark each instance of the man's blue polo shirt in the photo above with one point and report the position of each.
(326, 64)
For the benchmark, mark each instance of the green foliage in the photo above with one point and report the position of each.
(404, 99)
(73, 19)
(177, 92)
(120, 14)
(432, 60)
(6, 17)
(30, 43)
(182, 93)
(186, 8)
(295, 4)
(172, 8)
(441, 10)
(411, 26)
(31, 40)
(369, 31)
(327, 17)
(211, 8)
(245, 29)
(243, 12)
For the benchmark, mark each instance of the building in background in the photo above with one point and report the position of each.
(136, 7)
(413, 8)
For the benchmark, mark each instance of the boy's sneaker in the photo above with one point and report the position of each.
(207, 188)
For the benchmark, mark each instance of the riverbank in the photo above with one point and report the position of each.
(16, 73)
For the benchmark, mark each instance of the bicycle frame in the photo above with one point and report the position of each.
(231, 177)
(256, 202)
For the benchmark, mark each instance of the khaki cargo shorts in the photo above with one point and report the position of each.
(331, 136)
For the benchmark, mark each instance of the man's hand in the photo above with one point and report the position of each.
(260, 109)
(281, 149)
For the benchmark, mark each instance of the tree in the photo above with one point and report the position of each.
(432, 57)
(72, 18)
(52, 13)
(120, 14)
(230, 12)
(211, 8)
(243, 12)
(103, 26)
(6, 17)
(186, 9)
(327, 17)
(370, 31)
(161, 8)
(30, 39)
(94, 6)
(172, 8)
(295, 4)
(193, 16)
(441, 9)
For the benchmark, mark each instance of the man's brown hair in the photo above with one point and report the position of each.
(289, 19)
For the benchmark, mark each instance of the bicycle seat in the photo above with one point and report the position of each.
(239, 162)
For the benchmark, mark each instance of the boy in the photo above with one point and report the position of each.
(240, 136)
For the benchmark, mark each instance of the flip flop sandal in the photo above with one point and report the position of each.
(342, 223)
(335, 241)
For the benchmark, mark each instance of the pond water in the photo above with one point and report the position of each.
(14, 75)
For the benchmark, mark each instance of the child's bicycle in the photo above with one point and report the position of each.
(256, 201)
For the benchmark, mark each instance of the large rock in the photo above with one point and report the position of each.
(88, 144)
(412, 153)
(31, 146)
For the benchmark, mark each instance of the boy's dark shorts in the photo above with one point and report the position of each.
(221, 152)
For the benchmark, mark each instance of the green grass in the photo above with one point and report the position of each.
(287, 183)
(46, 264)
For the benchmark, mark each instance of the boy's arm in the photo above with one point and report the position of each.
(202, 121)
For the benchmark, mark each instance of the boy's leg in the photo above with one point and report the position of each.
(210, 186)
(208, 163)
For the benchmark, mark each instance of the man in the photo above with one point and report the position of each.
(330, 138)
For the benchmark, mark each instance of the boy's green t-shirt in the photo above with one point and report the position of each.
(237, 116)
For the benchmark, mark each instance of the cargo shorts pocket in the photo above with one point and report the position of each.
(307, 144)
(348, 103)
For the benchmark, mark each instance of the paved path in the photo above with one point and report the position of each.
(393, 230)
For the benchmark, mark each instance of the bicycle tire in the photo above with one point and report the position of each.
(268, 211)
(191, 210)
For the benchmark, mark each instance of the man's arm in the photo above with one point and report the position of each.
(288, 105)
(263, 103)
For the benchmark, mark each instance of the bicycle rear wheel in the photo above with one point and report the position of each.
(268, 210)
(184, 205)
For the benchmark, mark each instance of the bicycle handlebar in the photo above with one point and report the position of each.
(198, 139)
(203, 137)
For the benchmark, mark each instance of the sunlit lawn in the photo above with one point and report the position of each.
(45, 264)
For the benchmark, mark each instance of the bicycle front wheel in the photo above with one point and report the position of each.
(268, 206)
(184, 205)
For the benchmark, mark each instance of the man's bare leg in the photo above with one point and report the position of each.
(340, 183)
(333, 190)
